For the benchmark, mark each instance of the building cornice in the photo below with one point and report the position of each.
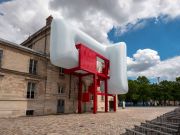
(3, 70)
(20, 47)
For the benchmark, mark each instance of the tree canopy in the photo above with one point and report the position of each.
(141, 90)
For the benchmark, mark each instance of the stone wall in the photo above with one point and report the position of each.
(13, 91)
(14, 78)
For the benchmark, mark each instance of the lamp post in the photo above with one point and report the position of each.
(158, 80)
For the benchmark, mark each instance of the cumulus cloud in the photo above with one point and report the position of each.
(19, 18)
(147, 63)
(142, 60)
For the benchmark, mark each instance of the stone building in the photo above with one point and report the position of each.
(31, 85)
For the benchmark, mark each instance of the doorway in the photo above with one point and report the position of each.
(111, 105)
(60, 106)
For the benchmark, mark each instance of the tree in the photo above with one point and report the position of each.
(166, 87)
(133, 92)
(132, 95)
(143, 89)
(155, 93)
(178, 79)
(176, 90)
(143, 80)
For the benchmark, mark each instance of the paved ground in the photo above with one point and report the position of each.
(75, 124)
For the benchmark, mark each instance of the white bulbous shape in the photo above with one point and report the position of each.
(63, 53)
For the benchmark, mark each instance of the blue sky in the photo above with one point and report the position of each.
(160, 35)
(1, 1)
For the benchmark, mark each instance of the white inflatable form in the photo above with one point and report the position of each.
(63, 53)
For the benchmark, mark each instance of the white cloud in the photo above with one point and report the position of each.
(142, 60)
(19, 18)
(147, 63)
(123, 14)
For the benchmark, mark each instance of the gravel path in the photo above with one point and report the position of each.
(81, 124)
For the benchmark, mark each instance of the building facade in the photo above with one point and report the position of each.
(31, 85)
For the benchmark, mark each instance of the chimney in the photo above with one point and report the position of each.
(49, 20)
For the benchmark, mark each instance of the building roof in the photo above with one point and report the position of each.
(43, 29)
(30, 38)
(20, 47)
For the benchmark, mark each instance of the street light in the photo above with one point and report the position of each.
(158, 80)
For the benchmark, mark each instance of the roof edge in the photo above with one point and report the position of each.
(20, 47)
(34, 35)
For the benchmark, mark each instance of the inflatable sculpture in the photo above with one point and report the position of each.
(75, 51)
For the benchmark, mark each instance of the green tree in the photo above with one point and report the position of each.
(155, 93)
(132, 95)
(176, 90)
(143, 89)
(166, 88)
(178, 79)
(143, 80)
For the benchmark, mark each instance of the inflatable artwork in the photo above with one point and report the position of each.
(70, 47)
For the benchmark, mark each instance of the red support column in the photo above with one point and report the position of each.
(106, 97)
(95, 94)
(115, 103)
(80, 95)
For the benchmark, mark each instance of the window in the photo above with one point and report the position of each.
(61, 71)
(1, 54)
(61, 89)
(100, 65)
(31, 89)
(33, 66)
(29, 112)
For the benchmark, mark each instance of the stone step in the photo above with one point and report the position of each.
(149, 131)
(133, 132)
(159, 128)
(168, 125)
(167, 120)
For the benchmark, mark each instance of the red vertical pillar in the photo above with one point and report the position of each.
(95, 94)
(80, 95)
(106, 97)
(115, 103)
